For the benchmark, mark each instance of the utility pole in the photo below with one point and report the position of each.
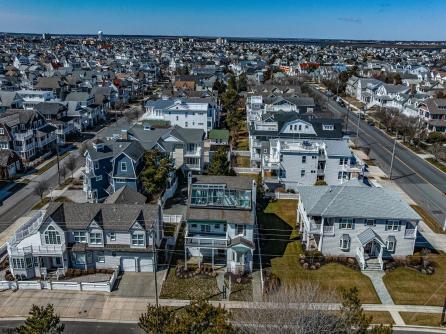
(358, 126)
(393, 156)
(346, 125)
(155, 266)
(58, 165)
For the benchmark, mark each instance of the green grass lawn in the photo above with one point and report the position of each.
(243, 144)
(281, 248)
(421, 319)
(410, 287)
(380, 317)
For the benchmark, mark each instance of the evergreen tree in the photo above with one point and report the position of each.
(41, 320)
(352, 312)
(196, 318)
(155, 172)
(220, 163)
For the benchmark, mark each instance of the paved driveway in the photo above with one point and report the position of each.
(137, 285)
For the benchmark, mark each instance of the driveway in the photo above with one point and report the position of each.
(137, 285)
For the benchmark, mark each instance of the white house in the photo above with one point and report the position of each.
(202, 113)
(220, 222)
(371, 224)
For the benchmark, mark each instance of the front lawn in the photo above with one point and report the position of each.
(197, 287)
(380, 317)
(410, 287)
(421, 319)
(281, 247)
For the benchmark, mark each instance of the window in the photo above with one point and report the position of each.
(393, 225)
(52, 237)
(304, 159)
(344, 242)
(341, 161)
(300, 127)
(100, 257)
(339, 175)
(327, 127)
(29, 262)
(346, 224)
(194, 225)
(80, 236)
(124, 166)
(112, 236)
(217, 226)
(239, 229)
(99, 178)
(79, 258)
(18, 263)
(390, 244)
(138, 239)
(302, 173)
(370, 222)
(96, 165)
(119, 180)
(2, 131)
(205, 228)
(96, 238)
(36, 261)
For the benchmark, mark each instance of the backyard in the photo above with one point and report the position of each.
(281, 247)
(410, 287)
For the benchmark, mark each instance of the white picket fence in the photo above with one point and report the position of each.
(247, 170)
(61, 285)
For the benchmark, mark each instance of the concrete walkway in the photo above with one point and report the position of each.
(257, 295)
(377, 280)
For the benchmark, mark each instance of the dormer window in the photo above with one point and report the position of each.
(124, 166)
(52, 237)
(96, 238)
(327, 127)
(138, 239)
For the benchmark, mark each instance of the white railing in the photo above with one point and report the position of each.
(33, 224)
(328, 230)
(410, 233)
(360, 258)
(39, 250)
(23, 135)
(207, 242)
(279, 195)
(315, 228)
(381, 263)
(246, 170)
(242, 153)
(172, 218)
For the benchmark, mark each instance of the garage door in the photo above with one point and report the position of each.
(128, 264)
(146, 265)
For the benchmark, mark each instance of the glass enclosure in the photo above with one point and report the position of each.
(220, 196)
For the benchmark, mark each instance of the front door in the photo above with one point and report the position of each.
(371, 249)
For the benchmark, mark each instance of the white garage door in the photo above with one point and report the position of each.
(146, 265)
(128, 264)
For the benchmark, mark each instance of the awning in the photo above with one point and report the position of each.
(369, 235)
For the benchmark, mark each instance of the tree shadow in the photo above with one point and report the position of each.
(274, 236)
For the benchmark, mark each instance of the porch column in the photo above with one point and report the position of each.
(212, 258)
(185, 258)
(380, 256)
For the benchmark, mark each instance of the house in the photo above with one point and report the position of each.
(10, 100)
(110, 166)
(220, 219)
(433, 114)
(56, 114)
(33, 97)
(289, 125)
(292, 163)
(27, 133)
(84, 236)
(201, 113)
(354, 220)
(10, 164)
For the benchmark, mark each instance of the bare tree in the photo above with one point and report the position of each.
(40, 188)
(70, 164)
(438, 151)
(298, 312)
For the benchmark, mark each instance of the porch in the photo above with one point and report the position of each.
(370, 252)
(216, 258)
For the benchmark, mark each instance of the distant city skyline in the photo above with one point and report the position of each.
(370, 20)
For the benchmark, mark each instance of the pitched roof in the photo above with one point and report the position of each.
(355, 202)
(126, 195)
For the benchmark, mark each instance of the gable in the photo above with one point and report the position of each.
(298, 126)
(94, 225)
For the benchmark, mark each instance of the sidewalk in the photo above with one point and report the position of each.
(103, 306)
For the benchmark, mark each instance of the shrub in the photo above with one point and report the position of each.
(320, 183)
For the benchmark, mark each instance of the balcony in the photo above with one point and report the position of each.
(39, 250)
(193, 153)
(21, 136)
(410, 233)
(207, 241)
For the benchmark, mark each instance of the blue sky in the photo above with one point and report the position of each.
(352, 19)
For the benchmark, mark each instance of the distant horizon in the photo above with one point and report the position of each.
(221, 36)
(382, 20)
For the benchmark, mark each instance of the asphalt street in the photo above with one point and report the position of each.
(84, 327)
(422, 182)
(23, 200)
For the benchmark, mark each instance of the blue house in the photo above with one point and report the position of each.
(110, 166)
